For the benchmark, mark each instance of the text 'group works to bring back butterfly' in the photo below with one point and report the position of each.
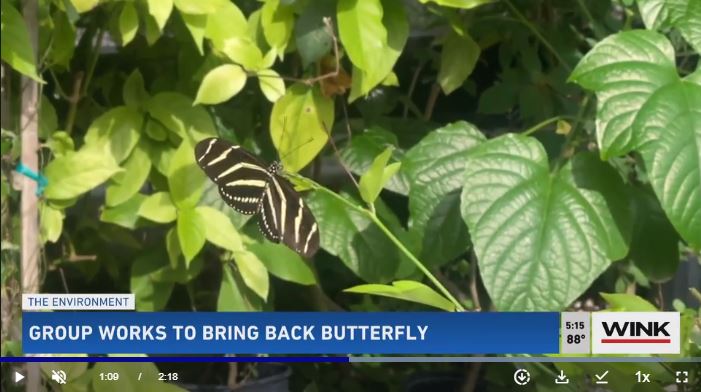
(250, 188)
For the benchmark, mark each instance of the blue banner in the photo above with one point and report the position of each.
(290, 333)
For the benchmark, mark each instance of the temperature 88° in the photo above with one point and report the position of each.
(575, 338)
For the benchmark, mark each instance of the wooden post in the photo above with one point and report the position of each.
(29, 128)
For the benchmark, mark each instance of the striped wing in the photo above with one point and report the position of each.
(284, 217)
(241, 177)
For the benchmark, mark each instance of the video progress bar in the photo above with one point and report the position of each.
(524, 359)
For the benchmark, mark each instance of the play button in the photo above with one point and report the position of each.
(18, 377)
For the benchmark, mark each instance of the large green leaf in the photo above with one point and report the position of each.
(191, 232)
(685, 15)
(458, 58)
(311, 35)
(185, 179)
(127, 183)
(407, 290)
(128, 23)
(158, 208)
(363, 149)
(283, 262)
(227, 22)
(220, 84)
(116, 131)
(361, 31)
(219, 230)
(15, 46)
(624, 69)
(126, 214)
(465, 4)
(655, 244)
(253, 272)
(196, 25)
(354, 238)
(160, 10)
(71, 175)
(395, 22)
(299, 125)
(541, 238)
(177, 113)
(232, 294)
(277, 20)
(435, 169)
(668, 127)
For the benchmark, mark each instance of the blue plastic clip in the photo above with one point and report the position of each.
(40, 180)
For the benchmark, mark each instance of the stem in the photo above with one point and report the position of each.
(395, 240)
(538, 35)
(542, 124)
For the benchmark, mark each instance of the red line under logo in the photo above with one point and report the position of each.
(636, 340)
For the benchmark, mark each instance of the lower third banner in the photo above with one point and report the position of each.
(290, 333)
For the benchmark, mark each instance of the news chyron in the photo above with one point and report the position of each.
(109, 324)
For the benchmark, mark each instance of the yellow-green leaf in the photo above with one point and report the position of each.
(219, 229)
(84, 5)
(15, 45)
(253, 272)
(271, 84)
(277, 21)
(191, 233)
(74, 174)
(374, 179)
(300, 124)
(128, 23)
(158, 208)
(220, 84)
(407, 290)
(458, 59)
(50, 223)
(196, 25)
(160, 10)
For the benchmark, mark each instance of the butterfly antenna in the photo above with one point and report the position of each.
(337, 153)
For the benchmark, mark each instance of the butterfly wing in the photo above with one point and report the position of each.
(285, 218)
(241, 177)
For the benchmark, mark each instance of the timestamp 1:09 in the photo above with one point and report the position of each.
(575, 339)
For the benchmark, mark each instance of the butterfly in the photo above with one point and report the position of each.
(249, 187)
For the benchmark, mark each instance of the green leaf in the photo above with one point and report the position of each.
(128, 23)
(127, 183)
(624, 69)
(219, 230)
(668, 130)
(191, 232)
(372, 182)
(271, 84)
(61, 144)
(196, 24)
(628, 303)
(15, 44)
(529, 226)
(407, 290)
(134, 92)
(158, 208)
(74, 174)
(199, 7)
(243, 51)
(363, 149)
(283, 262)
(116, 132)
(685, 15)
(177, 113)
(160, 10)
(655, 244)
(231, 294)
(458, 59)
(253, 272)
(185, 179)
(299, 125)
(125, 214)
(84, 5)
(63, 46)
(48, 121)
(228, 22)
(361, 31)
(354, 238)
(395, 22)
(156, 131)
(311, 35)
(150, 295)
(277, 20)
(50, 223)
(220, 84)
(464, 4)
(435, 168)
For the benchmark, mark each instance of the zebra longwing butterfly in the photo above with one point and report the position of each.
(250, 188)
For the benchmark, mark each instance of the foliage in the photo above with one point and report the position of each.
(481, 173)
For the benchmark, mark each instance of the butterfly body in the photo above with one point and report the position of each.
(249, 187)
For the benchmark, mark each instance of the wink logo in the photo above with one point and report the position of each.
(635, 333)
